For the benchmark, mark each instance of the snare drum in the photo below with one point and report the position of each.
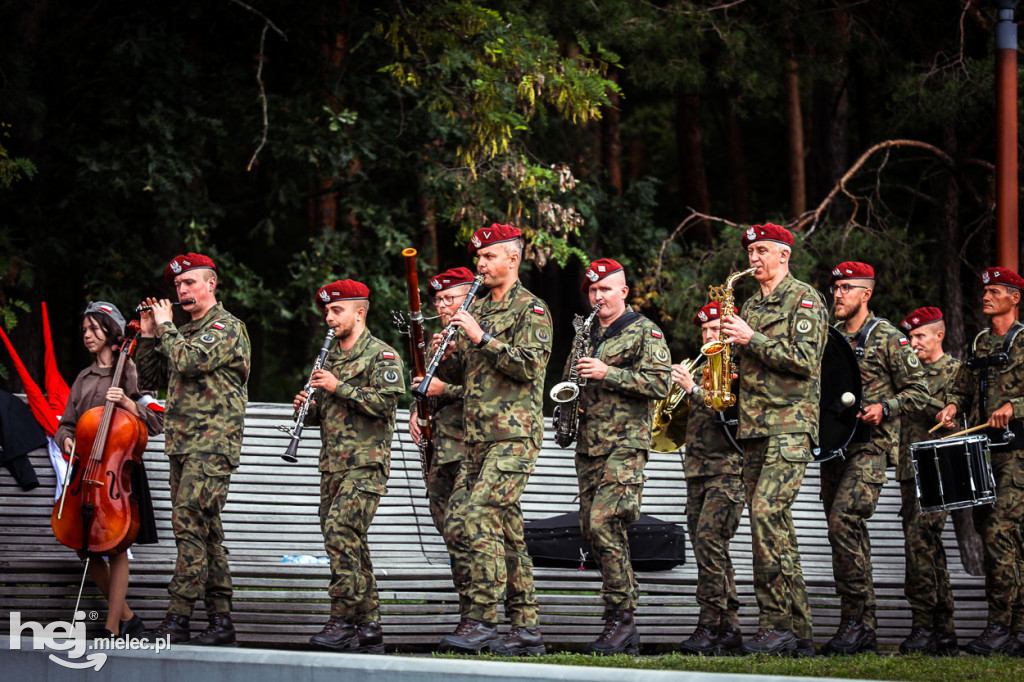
(953, 473)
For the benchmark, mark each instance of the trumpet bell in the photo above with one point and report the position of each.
(564, 391)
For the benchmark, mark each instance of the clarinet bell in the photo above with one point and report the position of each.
(291, 452)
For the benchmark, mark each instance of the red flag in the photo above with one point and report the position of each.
(41, 409)
(57, 391)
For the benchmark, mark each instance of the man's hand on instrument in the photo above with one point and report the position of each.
(736, 330)
(683, 378)
(147, 325)
(474, 332)
(592, 368)
(946, 416)
(414, 427)
(871, 414)
(1001, 417)
(436, 386)
(299, 399)
(161, 311)
(323, 379)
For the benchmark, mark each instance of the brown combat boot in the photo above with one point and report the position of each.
(992, 640)
(338, 634)
(771, 641)
(221, 632)
(852, 637)
(371, 638)
(619, 635)
(469, 637)
(729, 641)
(175, 628)
(519, 641)
(920, 640)
(701, 641)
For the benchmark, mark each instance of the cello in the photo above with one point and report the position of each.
(98, 511)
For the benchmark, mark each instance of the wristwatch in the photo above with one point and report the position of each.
(484, 340)
(695, 391)
(886, 411)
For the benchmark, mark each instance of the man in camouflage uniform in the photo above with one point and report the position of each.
(204, 366)
(355, 401)
(627, 370)
(893, 384)
(714, 505)
(990, 388)
(781, 334)
(927, 585)
(499, 361)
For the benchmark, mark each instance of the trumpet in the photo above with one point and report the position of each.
(295, 432)
(668, 425)
(144, 307)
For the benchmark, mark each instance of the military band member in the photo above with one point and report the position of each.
(893, 383)
(499, 361)
(356, 397)
(927, 585)
(781, 333)
(204, 366)
(990, 388)
(628, 370)
(714, 505)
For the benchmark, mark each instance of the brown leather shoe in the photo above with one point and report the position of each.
(338, 634)
(174, 628)
(729, 641)
(992, 640)
(619, 635)
(770, 641)
(519, 641)
(703, 640)
(852, 637)
(371, 638)
(920, 641)
(469, 637)
(221, 632)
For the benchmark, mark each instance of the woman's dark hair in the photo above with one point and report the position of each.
(110, 328)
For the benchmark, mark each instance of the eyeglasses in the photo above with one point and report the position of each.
(446, 301)
(844, 288)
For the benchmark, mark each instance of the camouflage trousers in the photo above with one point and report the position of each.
(926, 585)
(611, 488)
(772, 482)
(714, 505)
(483, 530)
(199, 489)
(348, 502)
(999, 527)
(849, 495)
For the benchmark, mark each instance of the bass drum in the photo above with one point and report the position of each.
(841, 395)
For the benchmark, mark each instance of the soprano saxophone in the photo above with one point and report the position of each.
(300, 418)
(718, 371)
(567, 393)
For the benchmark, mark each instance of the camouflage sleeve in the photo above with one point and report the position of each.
(450, 371)
(907, 376)
(800, 348)
(963, 389)
(452, 391)
(380, 397)
(651, 377)
(152, 368)
(208, 351)
(1016, 380)
(152, 418)
(526, 357)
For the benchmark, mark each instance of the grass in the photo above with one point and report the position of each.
(864, 666)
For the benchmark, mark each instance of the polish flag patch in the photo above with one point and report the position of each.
(806, 303)
(387, 355)
(538, 310)
(903, 342)
(217, 325)
(655, 333)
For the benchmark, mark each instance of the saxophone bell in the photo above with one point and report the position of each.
(565, 392)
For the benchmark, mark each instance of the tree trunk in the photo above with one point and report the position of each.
(831, 120)
(739, 187)
(795, 136)
(427, 238)
(949, 254)
(689, 147)
(611, 139)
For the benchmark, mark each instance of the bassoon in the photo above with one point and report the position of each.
(417, 351)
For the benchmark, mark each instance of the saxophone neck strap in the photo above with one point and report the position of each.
(597, 337)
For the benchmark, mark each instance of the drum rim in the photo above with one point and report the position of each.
(966, 438)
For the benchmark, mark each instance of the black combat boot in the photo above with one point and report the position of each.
(371, 638)
(804, 648)
(1015, 647)
(771, 641)
(469, 637)
(992, 640)
(852, 637)
(338, 634)
(132, 629)
(619, 635)
(519, 641)
(946, 644)
(174, 628)
(703, 640)
(729, 641)
(920, 641)
(220, 632)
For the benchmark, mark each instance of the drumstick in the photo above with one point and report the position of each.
(935, 428)
(966, 431)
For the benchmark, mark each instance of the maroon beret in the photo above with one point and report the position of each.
(921, 317)
(851, 270)
(451, 278)
(711, 311)
(767, 232)
(342, 290)
(186, 262)
(495, 234)
(1004, 276)
(598, 270)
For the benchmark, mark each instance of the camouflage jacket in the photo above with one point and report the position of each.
(446, 420)
(618, 409)
(914, 426)
(357, 421)
(780, 368)
(503, 382)
(204, 365)
(1003, 384)
(890, 374)
(708, 451)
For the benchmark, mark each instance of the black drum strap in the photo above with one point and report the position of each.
(984, 363)
(864, 335)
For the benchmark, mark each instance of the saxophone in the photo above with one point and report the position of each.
(567, 393)
(718, 371)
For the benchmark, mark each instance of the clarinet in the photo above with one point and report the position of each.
(447, 336)
(296, 431)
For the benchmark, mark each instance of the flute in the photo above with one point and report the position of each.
(143, 307)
